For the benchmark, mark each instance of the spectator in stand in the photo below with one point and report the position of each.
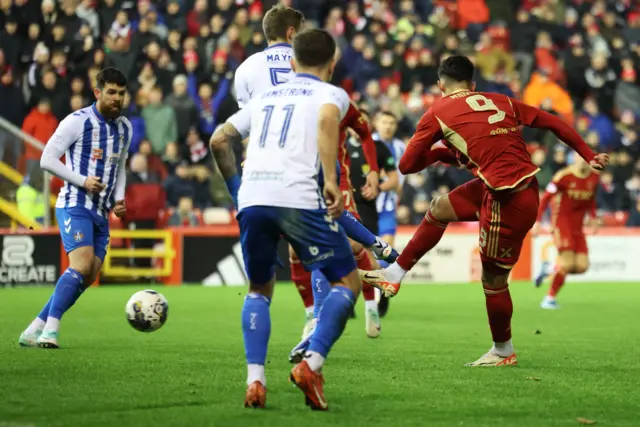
(179, 185)
(40, 123)
(161, 126)
(184, 107)
(12, 111)
(155, 164)
(184, 215)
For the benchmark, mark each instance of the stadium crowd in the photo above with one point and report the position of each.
(579, 59)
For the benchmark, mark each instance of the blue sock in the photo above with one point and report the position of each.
(321, 288)
(45, 310)
(355, 230)
(383, 263)
(68, 289)
(256, 327)
(233, 184)
(332, 319)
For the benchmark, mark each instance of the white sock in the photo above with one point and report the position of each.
(53, 325)
(308, 310)
(503, 349)
(371, 305)
(35, 326)
(395, 273)
(255, 373)
(314, 360)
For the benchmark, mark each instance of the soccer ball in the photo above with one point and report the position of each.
(147, 310)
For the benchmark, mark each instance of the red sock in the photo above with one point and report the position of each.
(557, 282)
(364, 263)
(424, 239)
(302, 279)
(500, 310)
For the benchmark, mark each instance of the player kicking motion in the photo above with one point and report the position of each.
(95, 141)
(264, 71)
(572, 194)
(293, 129)
(481, 131)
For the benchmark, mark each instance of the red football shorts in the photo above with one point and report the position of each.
(349, 202)
(505, 219)
(568, 237)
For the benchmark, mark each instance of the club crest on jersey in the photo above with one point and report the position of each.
(96, 154)
(78, 236)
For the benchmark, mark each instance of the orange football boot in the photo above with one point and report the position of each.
(378, 279)
(256, 395)
(312, 385)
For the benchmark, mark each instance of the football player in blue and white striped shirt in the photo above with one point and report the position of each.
(95, 141)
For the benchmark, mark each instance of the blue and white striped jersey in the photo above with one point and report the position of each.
(93, 146)
(387, 201)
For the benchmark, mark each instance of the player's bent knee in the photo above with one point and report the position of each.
(566, 262)
(343, 272)
(442, 210)
(265, 289)
(581, 265)
(494, 277)
(81, 260)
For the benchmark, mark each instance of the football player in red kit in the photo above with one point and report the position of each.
(482, 132)
(572, 195)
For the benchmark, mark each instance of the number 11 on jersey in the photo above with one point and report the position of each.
(288, 113)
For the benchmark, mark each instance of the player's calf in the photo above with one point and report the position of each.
(499, 310)
(331, 322)
(256, 330)
(365, 262)
(69, 287)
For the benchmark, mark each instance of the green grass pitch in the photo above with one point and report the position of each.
(584, 364)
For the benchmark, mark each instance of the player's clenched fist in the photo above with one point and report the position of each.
(333, 197)
(120, 209)
(93, 184)
(600, 161)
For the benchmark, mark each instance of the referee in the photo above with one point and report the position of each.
(367, 208)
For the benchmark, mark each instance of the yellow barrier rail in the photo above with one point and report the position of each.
(16, 177)
(11, 210)
(167, 254)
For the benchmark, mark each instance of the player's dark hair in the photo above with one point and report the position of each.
(457, 68)
(279, 19)
(314, 48)
(110, 75)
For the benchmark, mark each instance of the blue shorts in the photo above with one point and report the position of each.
(320, 243)
(81, 227)
(387, 223)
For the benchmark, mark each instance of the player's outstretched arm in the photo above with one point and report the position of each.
(537, 118)
(221, 144)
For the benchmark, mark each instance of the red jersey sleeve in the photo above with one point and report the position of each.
(360, 125)
(428, 132)
(536, 118)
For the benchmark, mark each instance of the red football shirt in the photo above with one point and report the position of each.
(356, 121)
(484, 131)
(572, 196)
